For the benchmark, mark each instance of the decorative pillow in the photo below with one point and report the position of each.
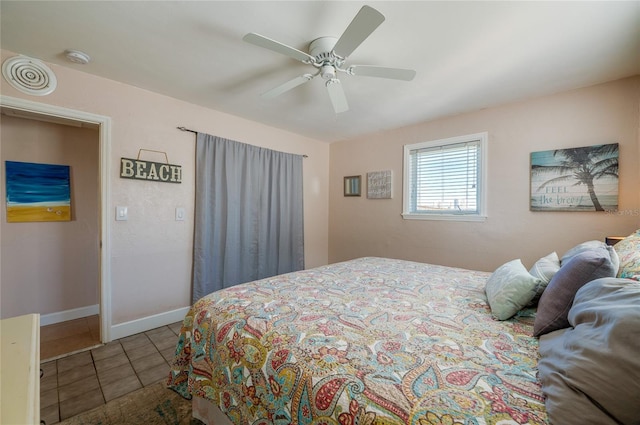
(556, 300)
(589, 246)
(544, 269)
(581, 247)
(628, 251)
(589, 372)
(509, 289)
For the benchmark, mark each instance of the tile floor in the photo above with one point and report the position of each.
(83, 381)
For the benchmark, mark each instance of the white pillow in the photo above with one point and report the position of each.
(544, 269)
(509, 289)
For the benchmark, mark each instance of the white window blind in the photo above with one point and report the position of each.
(444, 178)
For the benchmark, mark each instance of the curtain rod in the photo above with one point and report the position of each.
(193, 131)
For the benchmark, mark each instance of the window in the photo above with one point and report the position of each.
(444, 179)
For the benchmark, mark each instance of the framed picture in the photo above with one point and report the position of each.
(352, 186)
(379, 185)
(37, 192)
(575, 179)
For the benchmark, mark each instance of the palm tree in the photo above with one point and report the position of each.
(585, 165)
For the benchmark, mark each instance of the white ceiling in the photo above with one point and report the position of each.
(468, 55)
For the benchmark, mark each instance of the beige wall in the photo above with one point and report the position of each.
(151, 252)
(606, 113)
(51, 267)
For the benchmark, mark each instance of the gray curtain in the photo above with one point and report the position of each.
(248, 214)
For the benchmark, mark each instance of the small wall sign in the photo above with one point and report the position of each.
(147, 170)
(379, 185)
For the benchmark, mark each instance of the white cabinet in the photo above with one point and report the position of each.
(20, 370)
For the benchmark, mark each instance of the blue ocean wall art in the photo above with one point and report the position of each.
(37, 192)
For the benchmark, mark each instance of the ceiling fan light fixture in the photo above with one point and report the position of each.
(327, 72)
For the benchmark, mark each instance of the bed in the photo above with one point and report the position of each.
(383, 341)
(371, 340)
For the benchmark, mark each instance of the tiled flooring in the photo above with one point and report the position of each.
(83, 381)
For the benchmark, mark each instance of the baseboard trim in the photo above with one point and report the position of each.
(74, 313)
(123, 330)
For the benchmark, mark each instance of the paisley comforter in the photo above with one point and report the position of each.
(367, 341)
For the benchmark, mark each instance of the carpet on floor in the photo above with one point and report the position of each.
(152, 405)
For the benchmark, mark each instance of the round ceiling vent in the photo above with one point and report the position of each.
(29, 75)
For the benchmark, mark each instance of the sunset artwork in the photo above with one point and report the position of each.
(37, 192)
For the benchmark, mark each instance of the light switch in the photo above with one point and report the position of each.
(180, 214)
(122, 213)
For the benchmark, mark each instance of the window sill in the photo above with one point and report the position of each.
(444, 217)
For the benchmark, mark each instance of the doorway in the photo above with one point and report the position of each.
(53, 114)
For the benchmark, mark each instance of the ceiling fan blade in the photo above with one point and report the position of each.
(364, 23)
(276, 46)
(383, 72)
(291, 84)
(337, 96)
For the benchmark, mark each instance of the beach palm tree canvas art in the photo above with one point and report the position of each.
(575, 179)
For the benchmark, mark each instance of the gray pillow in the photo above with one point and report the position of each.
(509, 289)
(544, 269)
(590, 246)
(581, 247)
(556, 300)
(589, 372)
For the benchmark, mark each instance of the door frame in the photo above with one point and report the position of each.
(104, 166)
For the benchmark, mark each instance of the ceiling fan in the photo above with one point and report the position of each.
(328, 56)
